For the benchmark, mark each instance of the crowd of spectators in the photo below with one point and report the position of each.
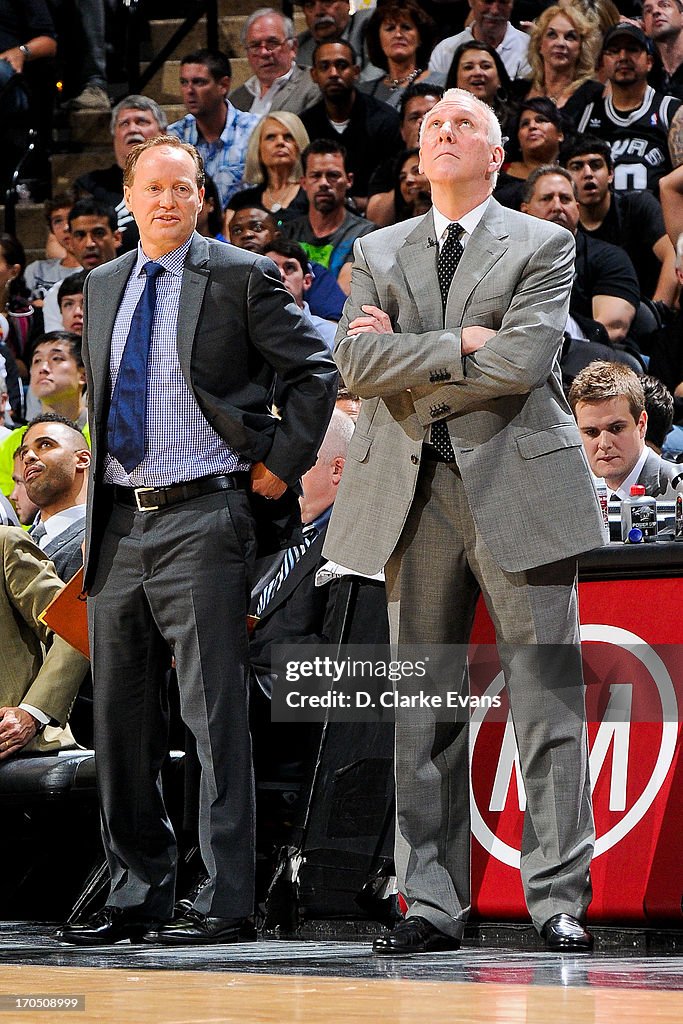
(320, 146)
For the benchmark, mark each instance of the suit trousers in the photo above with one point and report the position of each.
(433, 581)
(175, 581)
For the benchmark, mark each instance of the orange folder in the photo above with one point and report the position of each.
(66, 614)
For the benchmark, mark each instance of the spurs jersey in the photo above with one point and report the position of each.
(638, 138)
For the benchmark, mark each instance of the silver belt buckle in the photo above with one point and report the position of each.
(137, 491)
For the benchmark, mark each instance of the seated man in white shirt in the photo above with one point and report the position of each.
(608, 402)
(490, 24)
(56, 458)
(277, 83)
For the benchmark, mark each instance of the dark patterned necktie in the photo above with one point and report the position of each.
(449, 257)
(37, 533)
(128, 412)
(289, 559)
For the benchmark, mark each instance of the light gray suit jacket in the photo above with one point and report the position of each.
(36, 666)
(298, 93)
(517, 446)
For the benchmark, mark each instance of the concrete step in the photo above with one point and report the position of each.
(229, 29)
(31, 228)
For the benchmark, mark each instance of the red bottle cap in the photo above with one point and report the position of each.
(637, 490)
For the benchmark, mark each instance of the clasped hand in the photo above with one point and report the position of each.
(17, 727)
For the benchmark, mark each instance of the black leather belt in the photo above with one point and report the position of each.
(150, 499)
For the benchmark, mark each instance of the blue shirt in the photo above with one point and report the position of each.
(181, 444)
(223, 159)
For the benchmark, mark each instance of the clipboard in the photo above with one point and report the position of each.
(67, 616)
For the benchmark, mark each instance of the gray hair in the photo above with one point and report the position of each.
(529, 186)
(137, 102)
(335, 443)
(262, 12)
(494, 134)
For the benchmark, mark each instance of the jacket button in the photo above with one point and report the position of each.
(414, 459)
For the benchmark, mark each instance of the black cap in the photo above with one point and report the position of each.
(625, 28)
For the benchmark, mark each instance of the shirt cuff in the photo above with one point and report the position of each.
(39, 715)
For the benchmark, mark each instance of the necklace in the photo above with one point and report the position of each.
(278, 196)
(396, 83)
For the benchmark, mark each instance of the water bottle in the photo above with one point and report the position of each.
(639, 512)
(601, 488)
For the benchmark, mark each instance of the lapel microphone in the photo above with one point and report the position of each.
(431, 242)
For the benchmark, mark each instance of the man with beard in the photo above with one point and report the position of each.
(331, 19)
(633, 118)
(663, 23)
(133, 119)
(56, 457)
(328, 231)
(368, 129)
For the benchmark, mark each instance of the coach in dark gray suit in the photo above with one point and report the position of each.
(500, 500)
(171, 533)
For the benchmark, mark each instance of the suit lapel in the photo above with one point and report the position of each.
(195, 279)
(306, 564)
(483, 250)
(101, 326)
(417, 260)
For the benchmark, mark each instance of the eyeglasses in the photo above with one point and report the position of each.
(266, 44)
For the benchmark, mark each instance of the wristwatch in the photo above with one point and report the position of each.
(25, 50)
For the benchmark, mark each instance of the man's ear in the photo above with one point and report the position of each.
(83, 458)
(118, 241)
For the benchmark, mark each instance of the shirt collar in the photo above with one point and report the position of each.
(254, 86)
(173, 261)
(59, 522)
(624, 489)
(467, 222)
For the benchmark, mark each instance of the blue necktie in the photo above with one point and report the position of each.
(128, 412)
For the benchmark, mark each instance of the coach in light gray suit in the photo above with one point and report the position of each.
(171, 536)
(504, 506)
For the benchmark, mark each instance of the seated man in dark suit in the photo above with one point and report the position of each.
(608, 402)
(56, 457)
(290, 608)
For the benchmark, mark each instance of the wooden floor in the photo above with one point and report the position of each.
(197, 997)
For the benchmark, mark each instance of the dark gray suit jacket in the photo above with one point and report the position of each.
(238, 328)
(65, 550)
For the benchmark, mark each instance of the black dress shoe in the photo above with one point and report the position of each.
(200, 929)
(109, 925)
(414, 935)
(564, 934)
